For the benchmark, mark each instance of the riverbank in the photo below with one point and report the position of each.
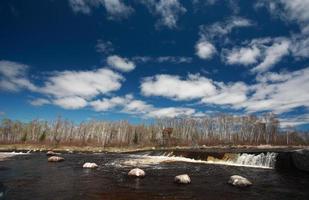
(96, 149)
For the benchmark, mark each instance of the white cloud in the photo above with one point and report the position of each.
(13, 76)
(176, 88)
(220, 29)
(292, 121)
(106, 104)
(122, 64)
(231, 94)
(167, 10)
(273, 54)
(300, 45)
(243, 55)
(205, 50)
(209, 35)
(104, 47)
(128, 104)
(264, 51)
(115, 9)
(137, 106)
(162, 59)
(85, 84)
(73, 102)
(296, 10)
(279, 92)
(293, 11)
(39, 102)
(171, 112)
(80, 6)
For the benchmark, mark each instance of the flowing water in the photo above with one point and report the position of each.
(30, 176)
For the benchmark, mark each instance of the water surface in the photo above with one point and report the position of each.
(32, 177)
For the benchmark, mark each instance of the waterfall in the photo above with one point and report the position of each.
(260, 160)
(144, 159)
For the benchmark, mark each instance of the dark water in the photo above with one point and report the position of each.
(32, 177)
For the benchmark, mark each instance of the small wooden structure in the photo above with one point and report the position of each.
(167, 135)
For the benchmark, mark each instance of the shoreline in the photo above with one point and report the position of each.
(96, 149)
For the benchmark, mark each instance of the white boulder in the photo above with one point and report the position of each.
(137, 172)
(55, 159)
(90, 165)
(239, 181)
(51, 153)
(182, 179)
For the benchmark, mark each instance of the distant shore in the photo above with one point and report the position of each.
(97, 149)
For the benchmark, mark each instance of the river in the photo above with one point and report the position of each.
(30, 176)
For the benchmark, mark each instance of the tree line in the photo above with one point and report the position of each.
(221, 129)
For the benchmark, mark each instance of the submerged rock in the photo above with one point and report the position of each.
(55, 159)
(182, 179)
(239, 181)
(90, 165)
(301, 159)
(137, 172)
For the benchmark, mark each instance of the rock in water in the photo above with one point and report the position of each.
(90, 165)
(182, 179)
(239, 181)
(301, 159)
(51, 153)
(55, 159)
(137, 172)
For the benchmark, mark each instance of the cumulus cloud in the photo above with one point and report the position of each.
(84, 84)
(119, 63)
(205, 50)
(195, 86)
(264, 51)
(168, 11)
(115, 9)
(73, 102)
(13, 76)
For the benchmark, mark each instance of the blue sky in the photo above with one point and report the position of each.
(138, 60)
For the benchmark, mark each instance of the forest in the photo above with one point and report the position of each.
(221, 129)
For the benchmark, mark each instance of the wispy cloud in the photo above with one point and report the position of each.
(104, 47)
(168, 11)
(264, 51)
(162, 59)
(115, 9)
(13, 76)
(209, 35)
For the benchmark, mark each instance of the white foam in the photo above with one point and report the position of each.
(265, 161)
(4, 155)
